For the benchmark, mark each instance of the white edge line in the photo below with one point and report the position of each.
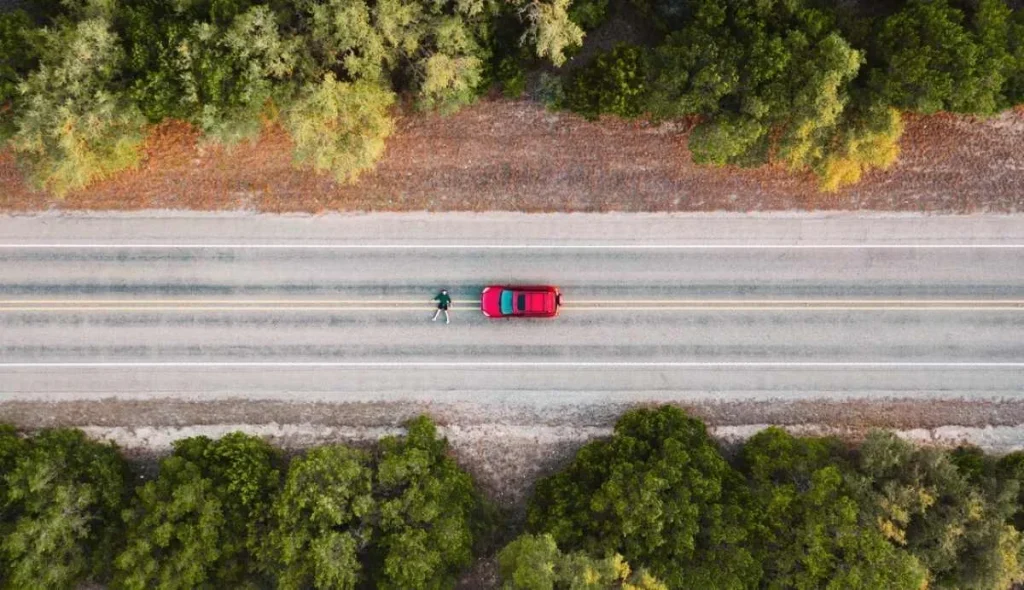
(470, 246)
(507, 364)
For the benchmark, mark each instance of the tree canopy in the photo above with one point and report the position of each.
(61, 519)
(660, 494)
(198, 524)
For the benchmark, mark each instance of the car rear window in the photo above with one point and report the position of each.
(522, 302)
(506, 302)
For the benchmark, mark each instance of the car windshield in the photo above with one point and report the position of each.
(522, 302)
(506, 302)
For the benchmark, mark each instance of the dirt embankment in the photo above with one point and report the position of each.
(509, 155)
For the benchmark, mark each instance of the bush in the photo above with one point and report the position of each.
(533, 562)
(74, 125)
(614, 83)
(21, 45)
(588, 14)
(512, 77)
(867, 139)
(340, 128)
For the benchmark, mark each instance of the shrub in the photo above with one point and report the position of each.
(21, 43)
(588, 14)
(74, 125)
(339, 127)
(512, 77)
(614, 83)
(866, 140)
(533, 562)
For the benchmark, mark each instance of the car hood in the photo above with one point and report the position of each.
(490, 302)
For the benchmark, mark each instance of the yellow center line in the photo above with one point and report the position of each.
(225, 301)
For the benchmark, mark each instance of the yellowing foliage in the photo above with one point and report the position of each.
(340, 128)
(859, 150)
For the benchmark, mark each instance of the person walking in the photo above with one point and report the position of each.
(443, 302)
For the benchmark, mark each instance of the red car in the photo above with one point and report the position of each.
(525, 302)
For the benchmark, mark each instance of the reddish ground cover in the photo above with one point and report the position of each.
(503, 155)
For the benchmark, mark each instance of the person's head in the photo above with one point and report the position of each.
(444, 291)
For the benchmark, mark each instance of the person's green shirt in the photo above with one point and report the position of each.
(443, 300)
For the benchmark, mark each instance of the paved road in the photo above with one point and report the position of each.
(338, 307)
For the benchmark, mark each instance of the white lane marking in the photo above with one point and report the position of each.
(509, 364)
(172, 246)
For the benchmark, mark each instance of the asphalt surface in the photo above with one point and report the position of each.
(339, 308)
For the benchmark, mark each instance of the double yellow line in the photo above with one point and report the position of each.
(634, 305)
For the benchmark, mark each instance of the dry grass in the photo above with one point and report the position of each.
(511, 155)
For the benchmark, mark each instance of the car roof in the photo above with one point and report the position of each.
(538, 301)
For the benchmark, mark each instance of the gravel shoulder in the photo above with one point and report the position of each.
(508, 448)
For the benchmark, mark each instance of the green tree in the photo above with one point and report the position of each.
(1015, 74)
(64, 497)
(197, 525)
(930, 57)
(533, 562)
(1010, 469)
(214, 64)
(955, 526)
(660, 494)
(729, 139)
(450, 76)
(588, 14)
(21, 44)
(614, 83)
(812, 532)
(340, 128)
(322, 520)
(73, 124)
(342, 33)
(550, 29)
(773, 81)
(430, 512)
